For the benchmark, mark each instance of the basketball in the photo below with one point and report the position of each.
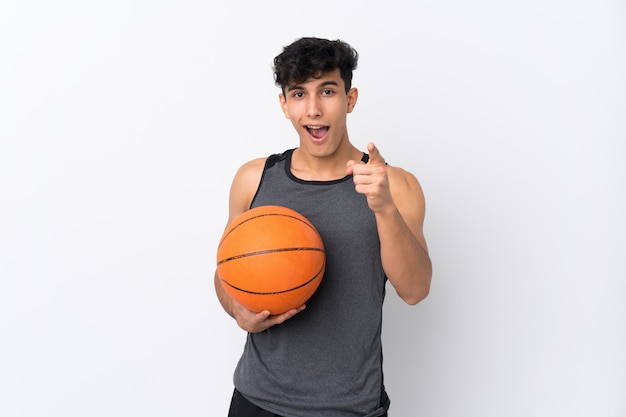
(271, 258)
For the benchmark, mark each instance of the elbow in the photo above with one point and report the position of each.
(414, 287)
(417, 295)
(419, 290)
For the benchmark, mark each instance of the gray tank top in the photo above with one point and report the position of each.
(326, 360)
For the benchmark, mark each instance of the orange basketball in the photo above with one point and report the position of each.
(271, 258)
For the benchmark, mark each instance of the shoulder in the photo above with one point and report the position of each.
(244, 186)
(246, 182)
(407, 193)
(250, 170)
(249, 174)
(403, 181)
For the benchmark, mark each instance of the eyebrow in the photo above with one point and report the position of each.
(324, 84)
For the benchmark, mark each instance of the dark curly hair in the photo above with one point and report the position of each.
(312, 58)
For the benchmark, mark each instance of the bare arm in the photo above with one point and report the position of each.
(397, 201)
(242, 192)
(403, 246)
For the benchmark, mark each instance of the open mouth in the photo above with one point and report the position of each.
(318, 132)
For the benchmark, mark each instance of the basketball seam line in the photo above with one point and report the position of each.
(264, 252)
(264, 215)
(275, 292)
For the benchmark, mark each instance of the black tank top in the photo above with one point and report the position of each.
(326, 360)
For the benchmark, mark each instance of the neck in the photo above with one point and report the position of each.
(310, 167)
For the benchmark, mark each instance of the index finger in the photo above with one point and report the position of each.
(374, 153)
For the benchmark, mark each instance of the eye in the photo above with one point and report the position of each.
(298, 94)
(328, 92)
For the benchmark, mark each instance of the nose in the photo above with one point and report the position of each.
(313, 108)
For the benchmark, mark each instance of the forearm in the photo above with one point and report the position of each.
(405, 259)
(249, 320)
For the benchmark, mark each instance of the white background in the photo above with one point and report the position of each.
(123, 122)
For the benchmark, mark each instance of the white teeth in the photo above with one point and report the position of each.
(314, 127)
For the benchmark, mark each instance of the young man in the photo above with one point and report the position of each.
(326, 360)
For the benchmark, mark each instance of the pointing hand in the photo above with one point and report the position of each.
(371, 179)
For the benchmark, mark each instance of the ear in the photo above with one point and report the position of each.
(352, 96)
(283, 104)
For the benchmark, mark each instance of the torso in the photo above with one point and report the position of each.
(327, 359)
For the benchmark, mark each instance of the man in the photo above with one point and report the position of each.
(326, 360)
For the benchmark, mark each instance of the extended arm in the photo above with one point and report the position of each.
(397, 201)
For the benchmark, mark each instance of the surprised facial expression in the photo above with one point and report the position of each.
(317, 109)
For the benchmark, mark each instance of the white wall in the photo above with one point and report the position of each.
(122, 123)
